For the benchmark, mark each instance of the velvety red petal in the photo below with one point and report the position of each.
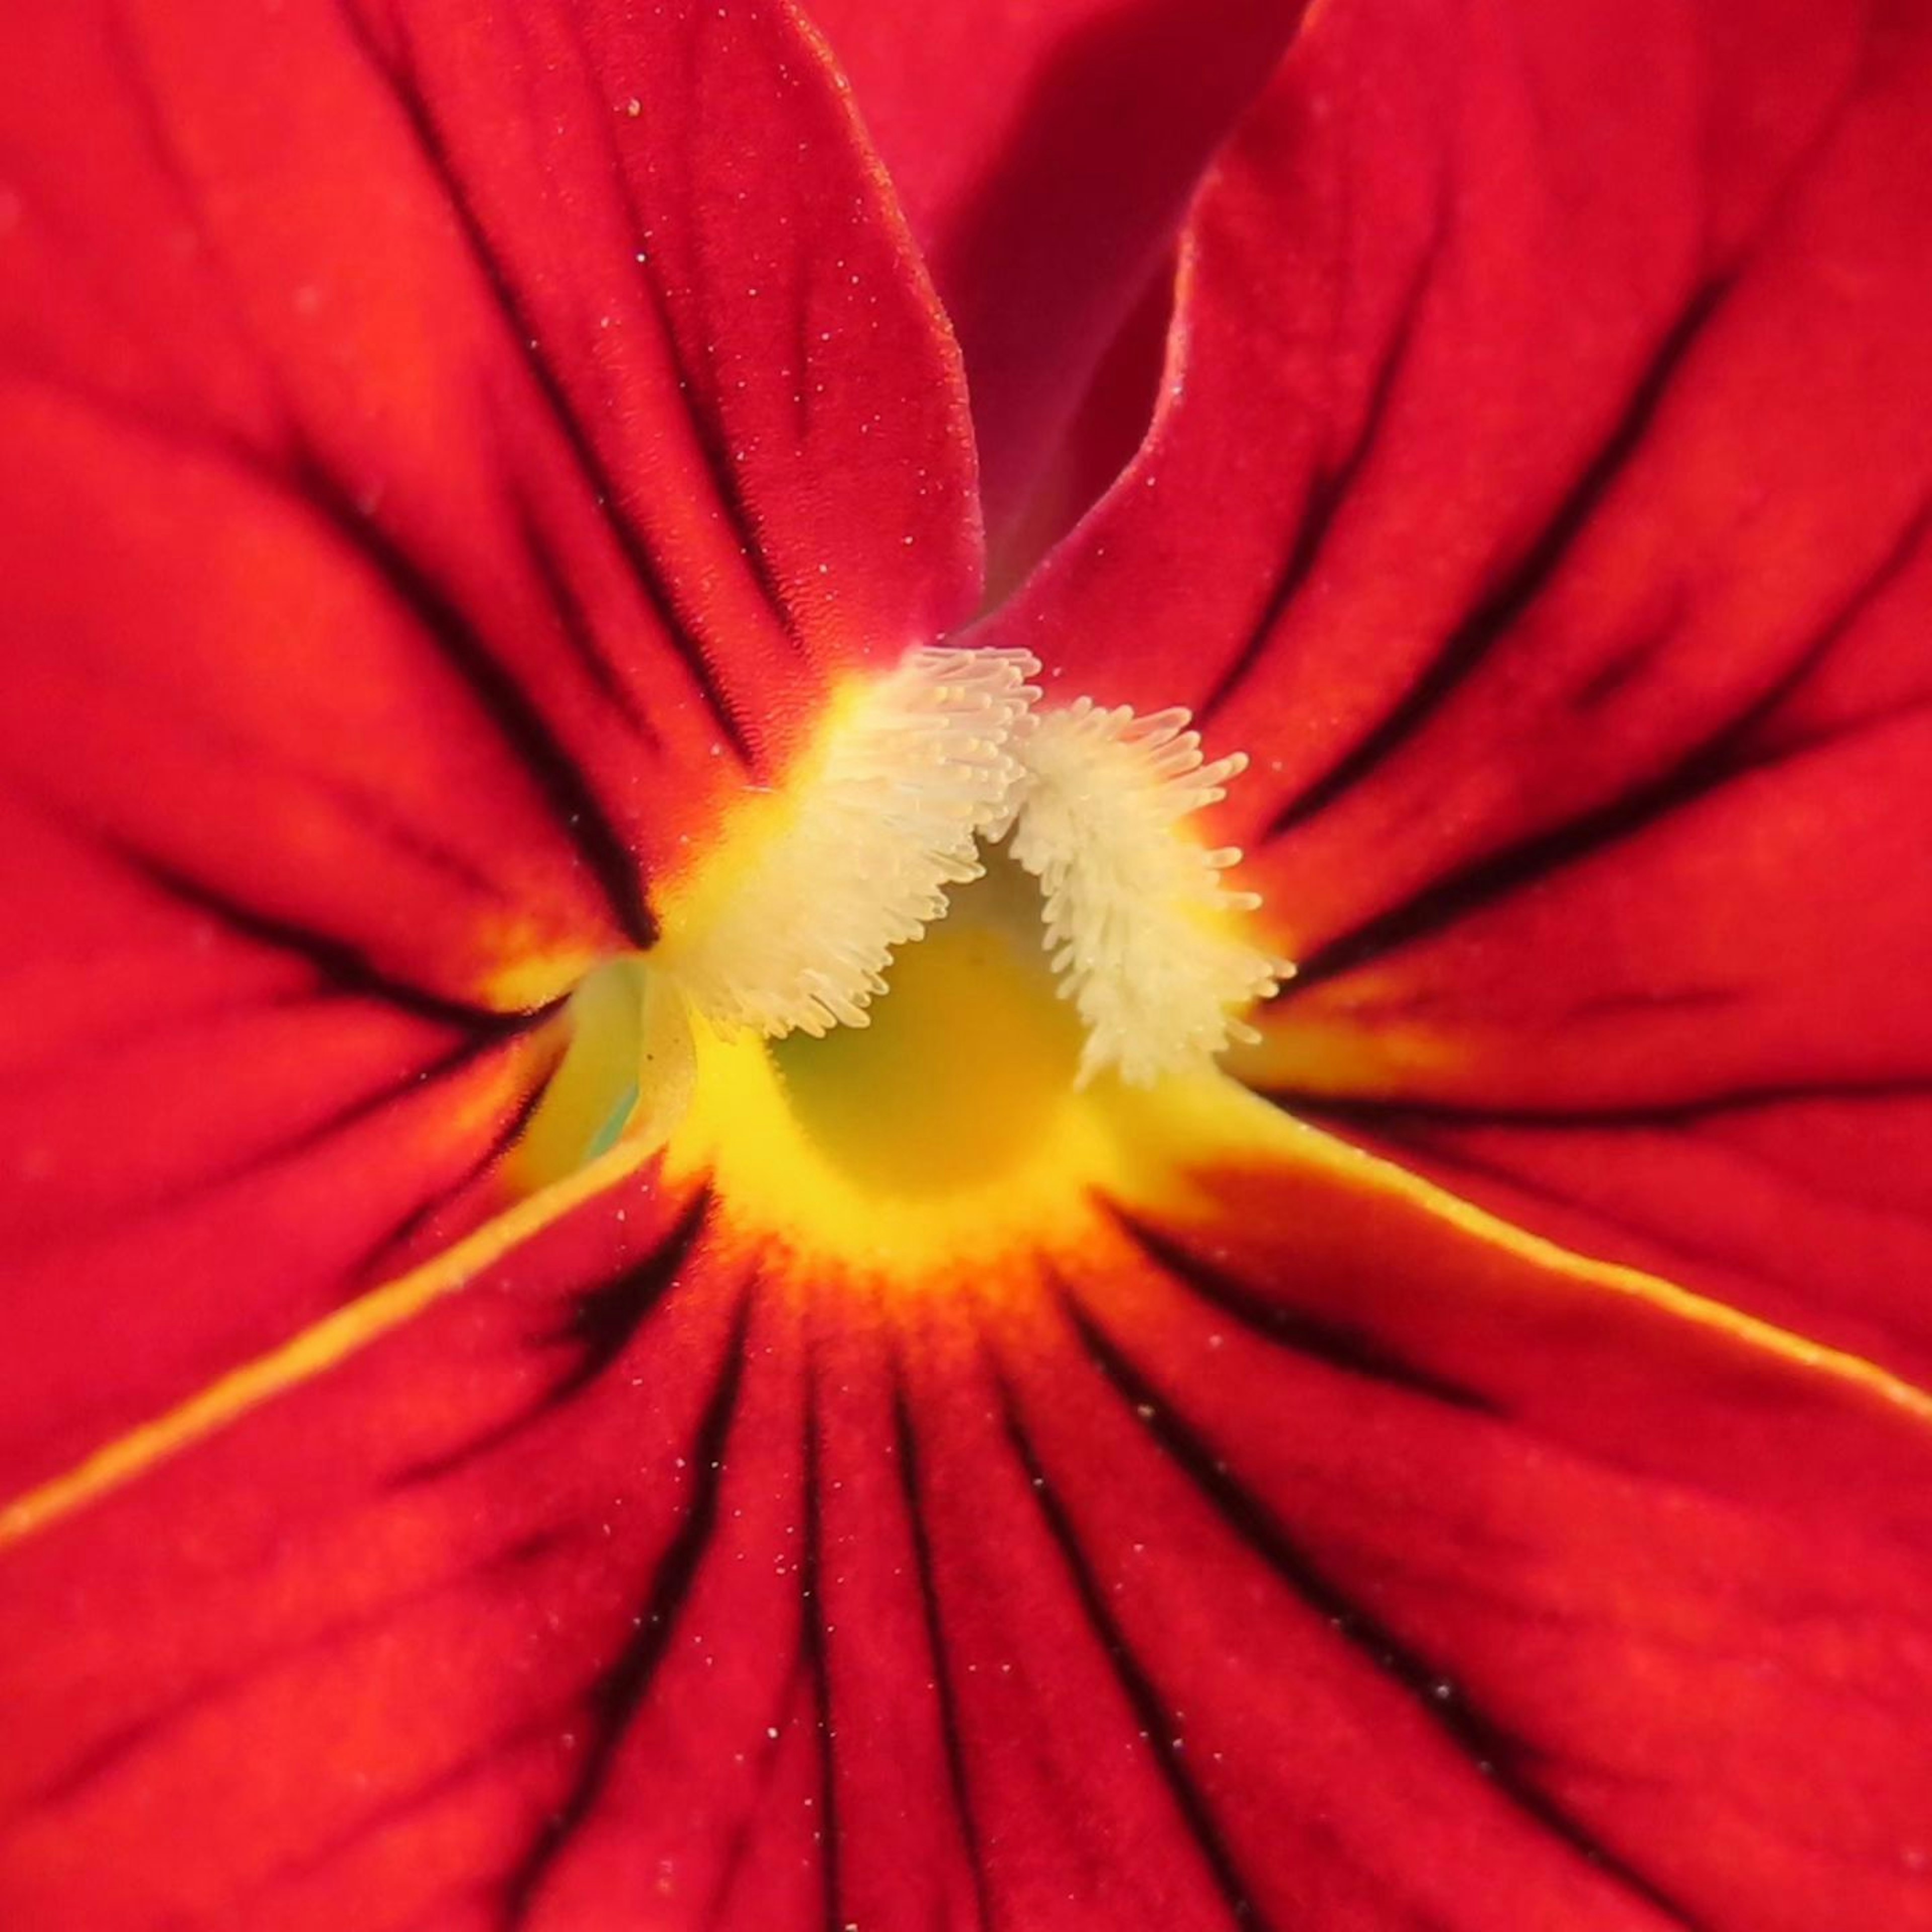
(1718, 1064)
(1448, 255)
(519, 1629)
(719, 281)
(1645, 1598)
(216, 685)
(1539, 496)
(1044, 154)
(213, 1126)
(1816, 1212)
(1324, 1557)
(406, 1627)
(445, 454)
(592, 337)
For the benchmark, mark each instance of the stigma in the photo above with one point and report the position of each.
(791, 921)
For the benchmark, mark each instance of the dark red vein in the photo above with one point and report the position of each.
(502, 699)
(566, 788)
(951, 1736)
(816, 1651)
(1396, 1114)
(1158, 1725)
(412, 1223)
(1721, 758)
(1329, 490)
(574, 620)
(602, 1324)
(648, 573)
(619, 1694)
(1497, 613)
(769, 1751)
(342, 968)
(1493, 1753)
(606, 1319)
(1350, 1350)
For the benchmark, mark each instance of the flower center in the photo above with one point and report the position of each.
(913, 973)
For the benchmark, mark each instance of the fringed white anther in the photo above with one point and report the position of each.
(1138, 920)
(921, 762)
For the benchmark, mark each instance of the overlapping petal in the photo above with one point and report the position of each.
(1540, 495)
(1044, 154)
(1353, 1562)
(447, 455)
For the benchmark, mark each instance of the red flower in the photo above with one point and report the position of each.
(493, 1441)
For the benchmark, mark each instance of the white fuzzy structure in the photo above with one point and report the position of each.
(919, 770)
(1143, 932)
(911, 776)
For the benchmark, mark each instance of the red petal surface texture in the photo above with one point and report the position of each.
(1539, 495)
(1348, 1569)
(446, 452)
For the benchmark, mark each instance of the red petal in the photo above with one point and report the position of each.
(451, 450)
(1044, 154)
(1719, 1064)
(213, 1126)
(1816, 1212)
(1328, 1557)
(598, 339)
(1540, 497)
(1420, 294)
(1580, 1605)
(402, 1613)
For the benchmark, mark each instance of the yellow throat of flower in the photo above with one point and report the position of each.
(898, 1002)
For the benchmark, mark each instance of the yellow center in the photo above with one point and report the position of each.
(911, 1008)
(967, 1061)
(927, 1147)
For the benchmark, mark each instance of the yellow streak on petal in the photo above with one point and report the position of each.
(1214, 1116)
(1310, 1051)
(323, 1346)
